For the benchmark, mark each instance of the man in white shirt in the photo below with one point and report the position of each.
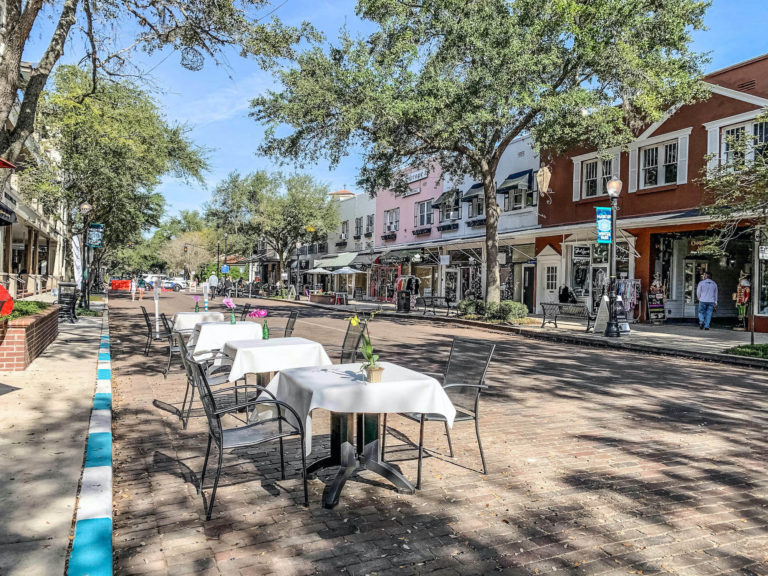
(706, 292)
(213, 284)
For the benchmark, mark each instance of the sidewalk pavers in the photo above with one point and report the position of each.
(44, 420)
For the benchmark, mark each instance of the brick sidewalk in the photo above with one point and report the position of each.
(600, 462)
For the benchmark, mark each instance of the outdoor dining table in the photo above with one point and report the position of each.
(273, 355)
(343, 390)
(207, 336)
(185, 321)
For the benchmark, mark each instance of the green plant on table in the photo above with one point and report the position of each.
(366, 346)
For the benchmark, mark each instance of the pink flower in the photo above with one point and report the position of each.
(228, 303)
(197, 298)
(257, 313)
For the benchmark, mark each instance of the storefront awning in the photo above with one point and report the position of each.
(335, 260)
(518, 180)
(7, 215)
(448, 197)
(398, 256)
(475, 191)
(365, 259)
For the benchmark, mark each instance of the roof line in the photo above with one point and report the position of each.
(737, 65)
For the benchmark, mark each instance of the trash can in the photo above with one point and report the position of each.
(403, 300)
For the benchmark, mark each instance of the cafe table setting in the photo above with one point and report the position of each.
(207, 336)
(257, 356)
(185, 321)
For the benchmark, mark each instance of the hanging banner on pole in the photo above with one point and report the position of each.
(95, 235)
(603, 225)
(77, 259)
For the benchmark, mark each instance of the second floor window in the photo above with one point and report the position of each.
(359, 226)
(451, 210)
(597, 173)
(476, 207)
(658, 165)
(519, 199)
(369, 223)
(422, 214)
(392, 220)
(344, 229)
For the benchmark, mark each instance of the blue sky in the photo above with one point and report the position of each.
(214, 102)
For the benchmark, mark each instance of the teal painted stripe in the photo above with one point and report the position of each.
(102, 401)
(104, 345)
(103, 356)
(105, 336)
(92, 548)
(99, 451)
(104, 374)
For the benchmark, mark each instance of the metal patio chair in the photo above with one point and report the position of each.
(244, 312)
(267, 428)
(215, 372)
(351, 343)
(289, 325)
(152, 334)
(463, 381)
(173, 339)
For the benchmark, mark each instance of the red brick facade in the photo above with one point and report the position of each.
(24, 339)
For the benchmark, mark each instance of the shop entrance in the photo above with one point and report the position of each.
(692, 271)
(528, 272)
(452, 285)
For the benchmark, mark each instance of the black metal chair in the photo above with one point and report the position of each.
(244, 312)
(289, 325)
(173, 346)
(152, 334)
(207, 359)
(266, 429)
(351, 343)
(463, 381)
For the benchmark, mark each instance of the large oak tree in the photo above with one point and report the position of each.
(457, 80)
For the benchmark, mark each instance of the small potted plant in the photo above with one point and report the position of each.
(370, 367)
(261, 313)
(231, 305)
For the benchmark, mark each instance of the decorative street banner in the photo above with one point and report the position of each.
(603, 225)
(95, 235)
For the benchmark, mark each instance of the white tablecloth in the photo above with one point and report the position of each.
(187, 320)
(273, 355)
(342, 388)
(213, 335)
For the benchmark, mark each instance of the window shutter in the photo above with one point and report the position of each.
(713, 147)
(616, 166)
(576, 181)
(633, 154)
(682, 159)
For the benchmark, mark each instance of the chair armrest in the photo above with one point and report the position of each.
(263, 401)
(456, 385)
(244, 388)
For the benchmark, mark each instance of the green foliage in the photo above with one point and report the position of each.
(504, 311)
(26, 308)
(454, 82)
(753, 351)
(88, 312)
(466, 307)
(511, 311)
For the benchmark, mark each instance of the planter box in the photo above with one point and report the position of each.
(322, 299)
(24, 339)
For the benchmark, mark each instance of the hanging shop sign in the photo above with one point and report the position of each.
(763, 252)
(603, 218)
(225, 269)
(581, 252)
(445, 259)
(95, 235)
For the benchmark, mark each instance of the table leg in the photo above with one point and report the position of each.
(349, 465)
(341, 432)
(369, 460)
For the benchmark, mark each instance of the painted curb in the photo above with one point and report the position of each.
(91, 553)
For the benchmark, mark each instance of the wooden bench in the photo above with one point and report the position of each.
(553, 310)
(433, 302)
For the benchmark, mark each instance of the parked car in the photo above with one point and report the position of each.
(151, 279)
(177, 283)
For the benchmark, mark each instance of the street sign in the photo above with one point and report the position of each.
(763, 252)
(225, 269)
(95, 235)
(603, 218)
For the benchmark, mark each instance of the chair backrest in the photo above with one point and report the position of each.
(244, 312)
(291, 323)
(168, 331)
(189, 366)
(208, 401)
(467, 364)
(146, 319)
(351, 342)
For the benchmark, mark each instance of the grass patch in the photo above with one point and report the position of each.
(84, 312)
(756, 351)
(23, 308)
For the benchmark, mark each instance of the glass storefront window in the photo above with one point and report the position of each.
(581, 277)
(600, 253)
(763, 303)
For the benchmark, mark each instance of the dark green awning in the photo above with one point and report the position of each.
(448, 197)
(516, 181)
(475, 191)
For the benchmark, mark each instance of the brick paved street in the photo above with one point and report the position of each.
(600, 463)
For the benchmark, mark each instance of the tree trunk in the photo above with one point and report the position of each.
(492, 281)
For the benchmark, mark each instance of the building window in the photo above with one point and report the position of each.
(658, 165)
(392, 220)
(736, 150)
(369, 223)
(760, 130)
(422, 214)
(451, 211)
(476, 207)
(359, 226)
(518, 199)
(596, 173)
(551, 278)
(344, 229)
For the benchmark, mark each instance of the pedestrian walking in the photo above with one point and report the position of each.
(142, 284)
(706, 292)
(133, 288)
(213, 284)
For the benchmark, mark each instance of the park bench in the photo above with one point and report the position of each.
(554, 310)
(431, 303)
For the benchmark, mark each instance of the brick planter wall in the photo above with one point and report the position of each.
(24, 339)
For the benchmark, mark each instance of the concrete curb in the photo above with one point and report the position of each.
(564, 337)
(92, 547)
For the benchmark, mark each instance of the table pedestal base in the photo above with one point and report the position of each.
(350, 458)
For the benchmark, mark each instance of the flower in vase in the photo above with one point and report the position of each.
(261, 312)
(197, 298)
(228, 303)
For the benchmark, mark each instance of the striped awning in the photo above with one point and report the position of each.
(516, 181)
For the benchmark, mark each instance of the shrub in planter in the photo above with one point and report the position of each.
(492, 310)
(466, 307)
(480, 307)
(511, 311)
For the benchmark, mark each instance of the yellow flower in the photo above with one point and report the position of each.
(355, 321)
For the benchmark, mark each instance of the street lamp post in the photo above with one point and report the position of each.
(612, 327)
(85, 209)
